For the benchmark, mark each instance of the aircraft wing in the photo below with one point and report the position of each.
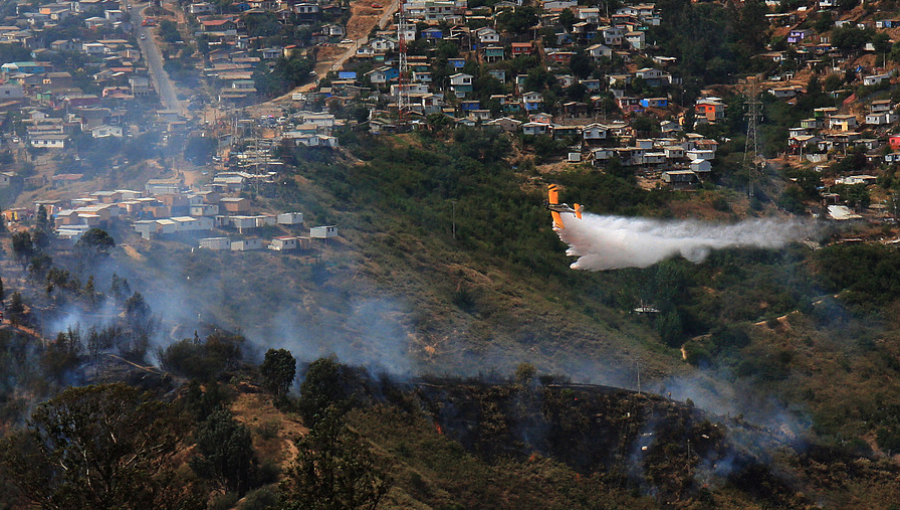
(553, 193)
(557, 220)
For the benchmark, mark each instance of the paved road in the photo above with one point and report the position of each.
(150, 50)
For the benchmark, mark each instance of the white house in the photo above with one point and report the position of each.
(107, 132)
(323, 232)
(598, 51)
(594, 132)
(283, 243)
(247, 244)
(290, 218)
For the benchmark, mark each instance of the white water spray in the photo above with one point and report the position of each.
(615, 242)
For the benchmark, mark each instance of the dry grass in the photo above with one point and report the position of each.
(274, 432)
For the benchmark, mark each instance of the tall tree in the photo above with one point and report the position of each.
(100, 447)
(335, 470)
(323, 387)
(278, 370)
(95, 243)
(23, 247)
(226, 454)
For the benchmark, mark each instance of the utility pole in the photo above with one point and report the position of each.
(453, 202)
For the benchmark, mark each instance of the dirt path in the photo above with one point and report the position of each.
(363, 18)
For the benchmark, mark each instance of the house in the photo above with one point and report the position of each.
(307, 11)
(857, 179)
(382, 75)
(432, 34)
(290, 218)
(881, 119)
(247, 244)
(636, 40)
(598, 51)
(323, 232)
(493, 53)
(593, 133)
(698, 154)
(215, 243)
(11, 91)
(140, 85)
(842, 122)
(522, 48)
(710, 110)
(383, 45)
(612, 36)
(201, 8)
(653, 77)
(283, 243)
(234, 205)
(560, 57)
(533, 101)
(48, 141)
(654, 159)
(506, 124)
(487, 36)
(701, 166)
(629, 104)
(680, 179)
(674, 152)
(797, 35)
(880, 106)
(461, 83)
(655, 102)
(107, 132)
(337, 31)
(535, 128)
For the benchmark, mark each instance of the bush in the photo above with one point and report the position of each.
(262, 499)
(224, 502)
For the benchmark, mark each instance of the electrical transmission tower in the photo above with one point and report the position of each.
(752, 162)
(403, 102)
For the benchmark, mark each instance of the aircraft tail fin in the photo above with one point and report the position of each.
(578, 209)
(553, 194)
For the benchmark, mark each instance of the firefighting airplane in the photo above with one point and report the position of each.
(556, 208)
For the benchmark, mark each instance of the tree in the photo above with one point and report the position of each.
(95, 243)
(42, 223)
(324, 386)
(278, 370)
(23, 248)
(100, 447)
(335, 470)
(142, 324)
(567, 19)
(16, 309)
(226, 454)
(824, 23)
(200, 149)
(580, 64)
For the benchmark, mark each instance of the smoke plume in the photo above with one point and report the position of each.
(615, 242)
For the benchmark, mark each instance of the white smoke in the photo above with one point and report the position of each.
(615, 242)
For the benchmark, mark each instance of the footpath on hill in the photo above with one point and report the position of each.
(364, 16)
